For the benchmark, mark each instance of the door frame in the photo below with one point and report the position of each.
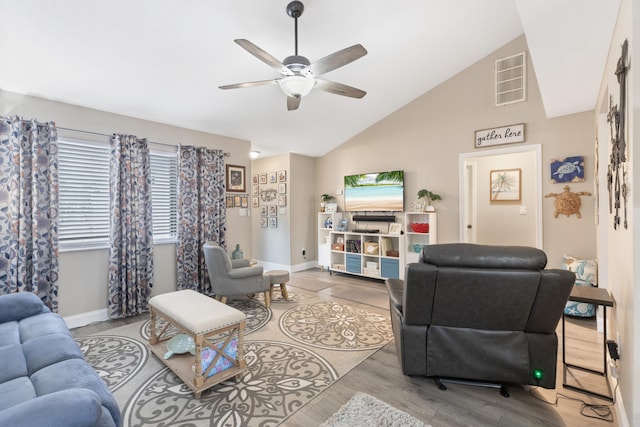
(529, 148)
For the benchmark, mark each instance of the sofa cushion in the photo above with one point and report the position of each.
(395, 288)
(13, 364)
(49, 349)
(40, 325)
(74, 373)
(9, 333)
(16, 391)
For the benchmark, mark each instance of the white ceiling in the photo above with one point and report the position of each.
(163, 60)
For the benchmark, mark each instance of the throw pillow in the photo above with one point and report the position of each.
(585, 269)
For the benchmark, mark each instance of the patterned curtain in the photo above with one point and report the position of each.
(29, 208)
(131, 249)
(202, 214)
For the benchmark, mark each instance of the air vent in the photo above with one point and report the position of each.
(511, 82)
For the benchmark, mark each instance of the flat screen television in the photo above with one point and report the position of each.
(375, 192)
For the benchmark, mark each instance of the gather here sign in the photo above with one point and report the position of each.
(498, 136)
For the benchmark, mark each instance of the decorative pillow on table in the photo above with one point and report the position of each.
(208, 354)
(586, 271)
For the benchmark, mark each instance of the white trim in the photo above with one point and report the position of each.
(536, 148)
(84, 319)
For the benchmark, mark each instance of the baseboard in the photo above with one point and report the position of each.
(84, 319)
(304, 266)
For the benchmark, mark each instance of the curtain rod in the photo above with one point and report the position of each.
(226, 154)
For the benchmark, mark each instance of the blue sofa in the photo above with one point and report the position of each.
(44, 379)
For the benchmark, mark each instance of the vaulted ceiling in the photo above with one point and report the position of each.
(163, 60)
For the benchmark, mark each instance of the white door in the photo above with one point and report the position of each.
(469, 202)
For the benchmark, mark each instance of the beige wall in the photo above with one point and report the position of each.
(622, 247)
(83, 274)
(426, 137)
(281, 247)
(500, 223)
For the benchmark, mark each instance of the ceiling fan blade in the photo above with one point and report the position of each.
(248, 84)
(263, 56)
(293, 102)
(339, 89)
(337, 59)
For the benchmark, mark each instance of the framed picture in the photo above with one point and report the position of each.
(395, 228)
(229, 201)
(264, 222)
(331, 207)
(255, 179)
(255, 190)
(272, 177)
(236, 179)
(273, 222)
(237, 201)
(505, 185)
(282, 200)
(263, 178)
(570, 169)
(282, 188)
(244, 201)
(263, 210)
(255, 202)
(273, 210)
(282, 176)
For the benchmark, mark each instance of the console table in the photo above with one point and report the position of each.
(596, 296)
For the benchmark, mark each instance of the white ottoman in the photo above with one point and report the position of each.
(201, 318)
(280, 278)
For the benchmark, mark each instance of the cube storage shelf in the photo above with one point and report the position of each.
(416, 239)
(376, 255)
(365, 254)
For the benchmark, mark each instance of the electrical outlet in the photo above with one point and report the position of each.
(613, 369)
(304, 252)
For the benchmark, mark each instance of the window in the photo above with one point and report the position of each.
(84, 195)
(164, 194)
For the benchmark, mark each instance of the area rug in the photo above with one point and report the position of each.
(309, 283)
(294, 352)
(363, 410)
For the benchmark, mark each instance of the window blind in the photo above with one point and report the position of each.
(83, 193)
(164, 194)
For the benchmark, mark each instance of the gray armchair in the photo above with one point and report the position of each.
(479, 313)
(233, 279)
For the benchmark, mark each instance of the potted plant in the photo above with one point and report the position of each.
(429, 197)
(324, 198)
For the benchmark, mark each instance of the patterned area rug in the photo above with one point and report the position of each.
(309, 284)
(293, 351)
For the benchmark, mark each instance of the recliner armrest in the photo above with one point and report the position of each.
(71, 408)
(20, 305)
(395, 287)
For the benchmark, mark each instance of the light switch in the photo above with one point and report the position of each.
(523, 210)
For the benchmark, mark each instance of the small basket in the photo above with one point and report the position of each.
(420, 227)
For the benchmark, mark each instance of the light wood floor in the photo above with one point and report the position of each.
(460, 405)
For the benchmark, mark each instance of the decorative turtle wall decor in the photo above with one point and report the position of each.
(567, 203)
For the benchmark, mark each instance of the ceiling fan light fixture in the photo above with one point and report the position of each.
(297, 85)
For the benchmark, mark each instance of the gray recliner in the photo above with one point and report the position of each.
(480, 313)
(228, 280)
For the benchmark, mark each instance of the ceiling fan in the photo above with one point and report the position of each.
(299, 75)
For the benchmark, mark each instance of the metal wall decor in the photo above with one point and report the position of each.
(617, 185)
